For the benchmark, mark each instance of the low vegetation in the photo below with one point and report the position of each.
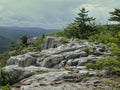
(63, 40)
(4, 80)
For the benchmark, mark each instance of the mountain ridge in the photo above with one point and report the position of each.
(11, 34)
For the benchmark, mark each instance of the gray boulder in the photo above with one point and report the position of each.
(51, 61)
(72, 62)
(50, 42)
(18, 73)
(73, 55)
(63, 80)
(22, 60)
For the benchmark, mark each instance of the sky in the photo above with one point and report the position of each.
(55, 14)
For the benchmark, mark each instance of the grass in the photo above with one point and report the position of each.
(86, 78)
(111, 82)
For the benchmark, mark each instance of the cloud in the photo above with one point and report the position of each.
(100, 12)
(51, 13)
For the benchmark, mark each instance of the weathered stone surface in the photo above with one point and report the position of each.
(52, 61)
(70, 58)
(54, 81)
(22, 60)
(50, 42)
(17, 73)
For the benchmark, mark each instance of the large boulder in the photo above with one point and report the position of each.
(22, 60)
(18, 73)
(52, 61)
(62, 80)
(50, 42)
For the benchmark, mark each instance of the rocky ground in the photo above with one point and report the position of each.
(61, 68)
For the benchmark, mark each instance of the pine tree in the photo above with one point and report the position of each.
(115, 15)
(24, 39)
(83, 21)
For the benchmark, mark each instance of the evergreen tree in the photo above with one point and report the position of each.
(24, 39)
(115, 15)
(71, 31)
(83, 21)
(14, 46)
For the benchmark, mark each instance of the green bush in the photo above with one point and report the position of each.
(39, 41)
(4, 78)
(58, 33)
(72, 31)
(102, 37)
(6, 87)
(63, 40)
(90, 65)
(3, 58)
(87, 49)
(108, 62)
(114, 48)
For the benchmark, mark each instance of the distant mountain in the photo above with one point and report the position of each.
(15, 33)
(9, 34)
(4, 43)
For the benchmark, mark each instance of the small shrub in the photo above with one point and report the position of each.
(28, 49)
(86, 78)
(3, 58)
(98, 53)
(108, 62)
(69, 68)
(110, 82)
(114, 48)
(4, 78)
(87, 49)
(6, 87)
(39, 41)
(63, 40)
(90, 65)
(78, 40)
(116, 70)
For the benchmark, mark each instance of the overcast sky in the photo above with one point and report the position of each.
(52, 13)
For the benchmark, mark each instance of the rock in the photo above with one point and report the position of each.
(72, 62)
(18, 73)
(39, 70)
(72, 77)
(52, 61)
(53, 86)
(82, 61)
(62, 64)
(41, 59)
(55, 80)
(69, 62)
(81, 67)
(22, 60)
(39, 82)
(83, 54)
(73, 55)
(105, 73)
(50, 42)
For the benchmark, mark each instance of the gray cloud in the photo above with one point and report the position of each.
(51, 13)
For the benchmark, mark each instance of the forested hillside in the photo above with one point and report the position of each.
(4, 43)
(10, 34)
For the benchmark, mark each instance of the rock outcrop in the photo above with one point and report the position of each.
(50, 42)
(57, 68)
(22, 60)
